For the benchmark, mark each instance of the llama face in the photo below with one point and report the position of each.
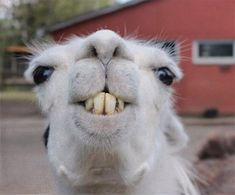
(103, 89)
(108, 101)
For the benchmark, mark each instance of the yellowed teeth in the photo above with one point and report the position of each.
(104, 103)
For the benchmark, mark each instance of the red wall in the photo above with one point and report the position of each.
(204, 86)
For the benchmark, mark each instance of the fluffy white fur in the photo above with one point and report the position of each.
(133, 152)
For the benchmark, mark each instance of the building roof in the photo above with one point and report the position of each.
(93, 14)
(17, 49)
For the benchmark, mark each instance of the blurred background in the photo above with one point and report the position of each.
(201, 36)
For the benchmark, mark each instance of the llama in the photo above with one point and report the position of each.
(113, 129)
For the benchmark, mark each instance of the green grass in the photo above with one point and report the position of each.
(17, 95)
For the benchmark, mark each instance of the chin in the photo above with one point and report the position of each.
(103, 130)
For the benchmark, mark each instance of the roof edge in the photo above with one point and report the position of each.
(17, 49)
(92, 14)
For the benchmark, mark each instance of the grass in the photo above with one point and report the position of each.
(17, 95)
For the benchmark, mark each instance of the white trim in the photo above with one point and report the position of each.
(211, 60)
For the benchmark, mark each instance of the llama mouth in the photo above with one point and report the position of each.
(103, 104)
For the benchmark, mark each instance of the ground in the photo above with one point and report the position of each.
(24, 168)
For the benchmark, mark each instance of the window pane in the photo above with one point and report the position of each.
(215, 49)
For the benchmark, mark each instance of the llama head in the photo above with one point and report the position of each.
(106, 91)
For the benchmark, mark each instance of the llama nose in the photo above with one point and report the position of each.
(105, 54)
(105, 59)
(106, 45)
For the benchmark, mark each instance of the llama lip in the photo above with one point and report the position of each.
(104, 104)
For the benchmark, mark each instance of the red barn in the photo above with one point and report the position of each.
(201, 31)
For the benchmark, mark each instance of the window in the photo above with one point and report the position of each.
(214, 52)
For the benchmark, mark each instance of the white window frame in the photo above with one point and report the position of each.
(211, 60)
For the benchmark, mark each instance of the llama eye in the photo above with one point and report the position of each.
(42, 74)
(165, 75)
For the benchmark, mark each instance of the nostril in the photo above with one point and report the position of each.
(116, 52)
(93, 51)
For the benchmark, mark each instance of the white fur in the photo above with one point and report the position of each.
(134, 152)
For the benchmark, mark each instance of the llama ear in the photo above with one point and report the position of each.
(175, 134)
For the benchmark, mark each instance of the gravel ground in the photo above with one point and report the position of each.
(24, 167)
